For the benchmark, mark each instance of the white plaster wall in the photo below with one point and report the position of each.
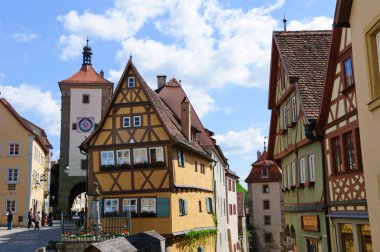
(274, 196)
(78, 109)
(220, 201)
(233, 219)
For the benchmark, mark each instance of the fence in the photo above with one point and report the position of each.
(76, 229)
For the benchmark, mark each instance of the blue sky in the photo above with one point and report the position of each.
(220, 50)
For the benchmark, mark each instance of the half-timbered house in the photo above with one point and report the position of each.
(145, 162)
(338, 123)
(298, 65)
(172, 94)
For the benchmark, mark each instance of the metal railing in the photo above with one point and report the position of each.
(76, 229)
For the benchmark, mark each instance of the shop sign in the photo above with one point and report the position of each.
(310, 223)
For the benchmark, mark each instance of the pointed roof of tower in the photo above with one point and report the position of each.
(86, 74)
(274, 171)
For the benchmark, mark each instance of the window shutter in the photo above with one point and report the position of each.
(207, 205)
(185, 206)
(162, 207)
(179, 157)
(211, 208)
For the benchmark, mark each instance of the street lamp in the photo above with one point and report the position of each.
(67, 169)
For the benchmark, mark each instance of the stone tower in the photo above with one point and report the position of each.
(84, 97)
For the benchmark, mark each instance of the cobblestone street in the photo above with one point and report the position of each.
(23, 239)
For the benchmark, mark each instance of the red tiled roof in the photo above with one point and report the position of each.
(173, 94)
(274, 172)
(305, 56)
(86, 75)
(38, 132)
(167, 116)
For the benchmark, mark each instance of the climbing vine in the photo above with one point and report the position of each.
(195, 237)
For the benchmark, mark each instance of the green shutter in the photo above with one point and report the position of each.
(207, 205)
(185, 206)
(162, 207)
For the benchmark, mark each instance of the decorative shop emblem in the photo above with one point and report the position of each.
(85, 124)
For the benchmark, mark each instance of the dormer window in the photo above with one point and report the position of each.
(348, 72)
(284, 118)
(131, 82)
(294, 109)
(265, 172)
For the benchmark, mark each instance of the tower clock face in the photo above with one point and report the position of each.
(85, 124)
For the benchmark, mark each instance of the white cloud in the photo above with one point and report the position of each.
(71, 46)
(24, 36)
(316, 23)
(240, 142)
(26, 98)
(204, 43)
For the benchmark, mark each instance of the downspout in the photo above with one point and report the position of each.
(309, 133)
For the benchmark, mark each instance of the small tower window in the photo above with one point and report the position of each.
(131, 82)
(86, 98)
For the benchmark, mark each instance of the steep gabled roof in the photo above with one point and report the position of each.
(86, 75)
(304, 55)
(164, 114)
(38, 132)
(173, 94)
(330, 77)
(274, 172)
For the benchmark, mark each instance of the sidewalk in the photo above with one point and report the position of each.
(24, 239)
(15, 229)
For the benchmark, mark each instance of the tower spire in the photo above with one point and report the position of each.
(284, 21)
(87, 54)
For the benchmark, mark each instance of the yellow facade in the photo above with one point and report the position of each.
(22, 188)
(164, 193)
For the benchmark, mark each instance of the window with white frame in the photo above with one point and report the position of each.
(107, 158)
(13, 149)
(181, 158)
(11, 204)
(156, 154)
(294, 177)
(130, 205)
(12, 175)
(131, 82)
(140, 156)
(311, 168)
(284, 118)
(123, 157)
(148, 205)
(294, 109)
(111, 206)
(137, 121)
(126, 122)
(289, 182)
(302, 170)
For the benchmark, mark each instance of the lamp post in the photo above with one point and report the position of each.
(96, 195)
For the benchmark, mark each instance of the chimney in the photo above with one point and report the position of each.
(161, 80)
(258, 155)
(102, 73)
(186, 118)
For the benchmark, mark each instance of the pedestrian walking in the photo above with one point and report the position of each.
(37, 221)
(30, 218)
(9, 219)
(50, 217)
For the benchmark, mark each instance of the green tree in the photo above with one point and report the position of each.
(241, 188)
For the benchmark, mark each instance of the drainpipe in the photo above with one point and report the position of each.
(309, 133)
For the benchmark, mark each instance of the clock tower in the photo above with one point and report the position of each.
(84, 97)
